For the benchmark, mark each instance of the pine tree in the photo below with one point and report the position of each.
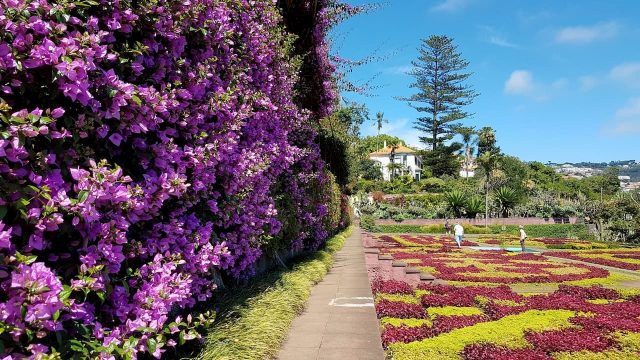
(442, 92)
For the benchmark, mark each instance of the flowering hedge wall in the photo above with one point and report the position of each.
(145, 145)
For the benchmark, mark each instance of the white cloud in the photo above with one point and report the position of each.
(402, 69)
(627, 73)
(495, 37)
(626, 120)
(450, 5)
(588, 82)
(520, 82)
(501, 41)
(587, 34)
(560, 84)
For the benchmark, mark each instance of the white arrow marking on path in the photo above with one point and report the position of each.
(338, 302)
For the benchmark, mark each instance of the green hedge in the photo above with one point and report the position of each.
(551, 231)
(577, 231)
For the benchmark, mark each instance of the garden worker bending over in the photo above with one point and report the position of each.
(447, 227)
(523, 237)
(458, 231)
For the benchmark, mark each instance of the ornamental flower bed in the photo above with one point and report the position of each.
(476, 316)
(145, 148)
(423, 241)
(498, 267)
(628, 259)
(545, 243)
(593, 321)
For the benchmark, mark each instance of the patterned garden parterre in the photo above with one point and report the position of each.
(481, 322)
(475, 310)
(499, 267)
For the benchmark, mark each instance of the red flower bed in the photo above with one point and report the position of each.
(627, 256)
(406, 334)
(569, 340)
(593, 292)
(600, 261)
(391, 287)
(441, 324)
(447, 295)
(399, 309)
(496, 311)
(493, 352)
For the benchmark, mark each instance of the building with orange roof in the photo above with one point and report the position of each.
(405, 160)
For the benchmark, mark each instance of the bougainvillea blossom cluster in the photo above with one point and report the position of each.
(144, 147)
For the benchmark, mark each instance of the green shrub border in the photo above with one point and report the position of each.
(254, 319)
(578, 231)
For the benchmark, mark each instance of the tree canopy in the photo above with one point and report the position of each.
(440, 78)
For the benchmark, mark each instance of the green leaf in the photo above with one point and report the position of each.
(82, 195)
(151, 344)
(23, 202)
(77, 346)
(65, 293)
(136, 99)
(46, 120)
(3, 212)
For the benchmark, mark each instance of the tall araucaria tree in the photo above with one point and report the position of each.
(440, 78)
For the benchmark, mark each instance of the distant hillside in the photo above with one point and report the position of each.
(629, 168)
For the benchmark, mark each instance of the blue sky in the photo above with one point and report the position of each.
(558, 80)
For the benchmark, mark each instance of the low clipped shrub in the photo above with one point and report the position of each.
(368, 222)
(433, 229)
(576, 231)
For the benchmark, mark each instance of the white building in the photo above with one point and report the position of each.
(410, 163)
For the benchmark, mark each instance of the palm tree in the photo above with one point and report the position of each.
(393, 168)
(392, 157)
(456, 201)
(379, 121)
(469, 141)
(474, 206)
(507, 198)
(488, 161)
(487, 141)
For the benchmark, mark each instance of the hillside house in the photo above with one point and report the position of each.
(408, 160)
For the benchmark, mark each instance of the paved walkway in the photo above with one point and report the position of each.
(340, 321)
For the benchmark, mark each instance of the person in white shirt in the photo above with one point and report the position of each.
(523, 237)
(458, 231)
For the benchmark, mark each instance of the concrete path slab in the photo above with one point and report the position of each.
(340, 321)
